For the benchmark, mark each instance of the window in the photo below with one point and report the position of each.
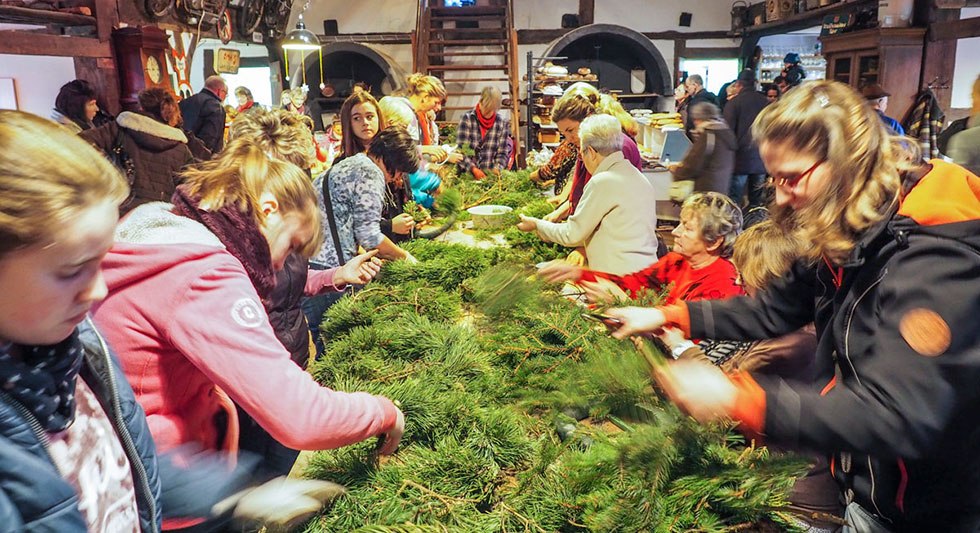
(716, 72)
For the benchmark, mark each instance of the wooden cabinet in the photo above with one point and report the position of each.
(891, 57)
(141, 59)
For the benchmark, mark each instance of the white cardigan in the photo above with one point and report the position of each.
(616, 219)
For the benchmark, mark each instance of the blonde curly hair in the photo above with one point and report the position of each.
(833, 123)
(279, 133)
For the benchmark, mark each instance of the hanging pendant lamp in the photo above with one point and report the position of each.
(302, 40)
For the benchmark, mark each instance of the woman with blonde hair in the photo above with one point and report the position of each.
(284, 135)
(76, 453)
(579, 102)
(71, 412)
(889, 278)
(424, 183)
(486, 131)
(214, 252)
(425, 95)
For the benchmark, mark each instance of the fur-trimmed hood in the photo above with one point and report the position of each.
(155, 223)
(150, 134)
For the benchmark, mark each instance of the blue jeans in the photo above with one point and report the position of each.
(315, 307)
(758, 191)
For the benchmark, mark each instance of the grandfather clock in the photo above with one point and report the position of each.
(141, 59)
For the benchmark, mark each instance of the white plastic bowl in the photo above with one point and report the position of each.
(489, 216)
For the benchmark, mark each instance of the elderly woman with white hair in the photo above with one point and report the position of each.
(698, 267)
(711, 160)
(616, 220)
(486, 131)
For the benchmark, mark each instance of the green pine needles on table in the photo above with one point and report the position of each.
(486, 361)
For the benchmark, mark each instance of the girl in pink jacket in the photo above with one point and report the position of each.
(184, 312)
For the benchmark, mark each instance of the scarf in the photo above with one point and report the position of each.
(423, 119)
(239, 233)
(43, 380)
(246, 106)
(485, 122)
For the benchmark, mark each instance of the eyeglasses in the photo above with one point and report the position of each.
(791, 182)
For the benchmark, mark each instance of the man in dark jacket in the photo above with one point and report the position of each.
(878, 99)
(696, 93)
(740, 113)
(204, 115)
(710, 160)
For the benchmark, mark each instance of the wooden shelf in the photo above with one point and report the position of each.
(813, 17)
(639, 95)
(26, 15)
(561, 79)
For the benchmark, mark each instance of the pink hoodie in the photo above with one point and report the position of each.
(189, 326)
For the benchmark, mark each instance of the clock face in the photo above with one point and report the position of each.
(153, 69)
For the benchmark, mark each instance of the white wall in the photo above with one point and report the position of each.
(663, 15)
(543, 14)
(360, 16)
(197, 62)
(967, 65)
(37, 80)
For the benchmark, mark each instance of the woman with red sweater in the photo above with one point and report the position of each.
(698, 268)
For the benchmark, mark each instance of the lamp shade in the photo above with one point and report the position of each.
(301, 38)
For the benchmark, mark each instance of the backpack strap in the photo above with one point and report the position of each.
(332, 222)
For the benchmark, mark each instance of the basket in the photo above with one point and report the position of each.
(489, 216)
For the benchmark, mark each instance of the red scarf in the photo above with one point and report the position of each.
(423, 119)
(485, 122)
(245, 107)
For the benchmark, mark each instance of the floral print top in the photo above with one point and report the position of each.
(357, 187)
(561, 165)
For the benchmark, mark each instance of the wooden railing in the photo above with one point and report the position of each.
(514, 75)
(420, 39)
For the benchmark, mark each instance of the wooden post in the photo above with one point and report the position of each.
(586, 12)
(939, 56)
(101, 72)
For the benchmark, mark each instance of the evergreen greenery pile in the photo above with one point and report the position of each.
(521, 415)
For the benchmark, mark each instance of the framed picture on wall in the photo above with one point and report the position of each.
(8, 94)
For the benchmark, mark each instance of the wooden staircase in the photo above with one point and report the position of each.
(469, 48)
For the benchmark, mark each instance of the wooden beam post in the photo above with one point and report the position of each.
(101, 72)
(939, 56)
(106, 18)
(586, 12)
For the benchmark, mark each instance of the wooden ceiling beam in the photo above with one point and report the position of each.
(956, 4)
(954, 29)
(24, 43)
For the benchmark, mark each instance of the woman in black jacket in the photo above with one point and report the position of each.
(150, 146)
(890, 282)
